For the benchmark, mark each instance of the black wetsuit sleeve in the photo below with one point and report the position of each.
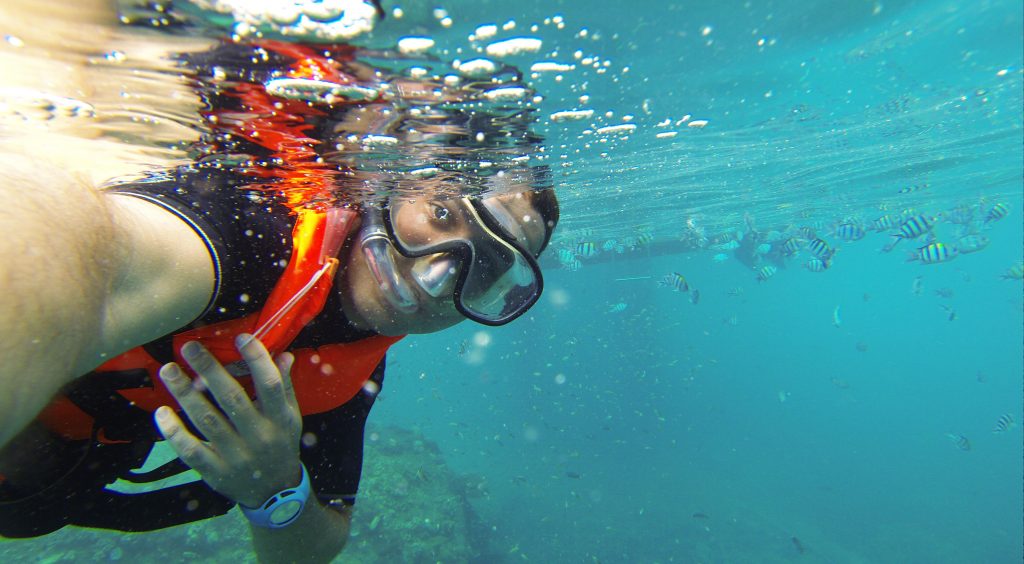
(247, 232)
(332, 447)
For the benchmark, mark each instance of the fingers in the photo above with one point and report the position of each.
(204, 416)
(237, 434)
(284, 362)
(189, 449)
(271, 379)
(230, 395)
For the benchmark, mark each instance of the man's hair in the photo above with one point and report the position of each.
(546, 204)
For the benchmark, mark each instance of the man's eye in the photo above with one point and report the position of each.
(440, 213)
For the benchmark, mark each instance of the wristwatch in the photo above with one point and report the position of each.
(282, 508)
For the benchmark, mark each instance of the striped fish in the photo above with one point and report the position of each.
(1015, 272)
(914, 188)
(817, 265)
(849, 232)
(645, 238)
(960, 441)
(675, 281)
(617, 308)
(792, 246)
(820, 248)
(565, 256)
(915, 227)
(997, 212)
(934, 253)
(1004, 423)
(721, 238)
(885, 223)
(586, 249)
(808, 232)
(766, 272)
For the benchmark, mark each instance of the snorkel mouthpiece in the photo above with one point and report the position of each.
(377, 252)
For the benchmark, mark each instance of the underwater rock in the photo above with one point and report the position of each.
(412, 508)
(431, 521)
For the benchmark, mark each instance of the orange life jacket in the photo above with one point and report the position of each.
(324, 377)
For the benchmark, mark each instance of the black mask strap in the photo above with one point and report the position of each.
(380, 9)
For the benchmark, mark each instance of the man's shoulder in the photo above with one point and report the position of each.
(247, 233)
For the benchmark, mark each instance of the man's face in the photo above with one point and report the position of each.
(364, 300)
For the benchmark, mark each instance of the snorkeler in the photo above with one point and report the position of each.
(265, 269)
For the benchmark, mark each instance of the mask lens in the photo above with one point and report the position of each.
(497, 293)
(423, 226)
(501, 280)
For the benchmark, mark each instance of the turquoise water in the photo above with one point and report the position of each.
(717, 432)
(805, 418)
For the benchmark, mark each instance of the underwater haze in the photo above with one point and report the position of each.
(812, 417)
(847, 415)
(783, 311)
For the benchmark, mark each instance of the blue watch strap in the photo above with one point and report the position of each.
(282, 508)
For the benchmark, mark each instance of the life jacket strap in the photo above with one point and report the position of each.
(158, 509)
(115, 418)
(166, 470)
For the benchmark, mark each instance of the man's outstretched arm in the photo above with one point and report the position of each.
(84, 276)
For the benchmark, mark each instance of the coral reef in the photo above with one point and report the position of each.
(412, 508)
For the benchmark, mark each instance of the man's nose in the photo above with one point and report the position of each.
(437, 273)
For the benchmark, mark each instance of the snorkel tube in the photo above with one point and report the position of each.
(376, 246)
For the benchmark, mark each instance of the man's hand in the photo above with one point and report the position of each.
(253, 452)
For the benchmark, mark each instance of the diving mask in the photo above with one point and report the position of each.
(474, 250)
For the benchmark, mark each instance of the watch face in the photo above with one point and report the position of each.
(285, 512)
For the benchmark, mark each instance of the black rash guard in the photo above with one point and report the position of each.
(248, 234)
